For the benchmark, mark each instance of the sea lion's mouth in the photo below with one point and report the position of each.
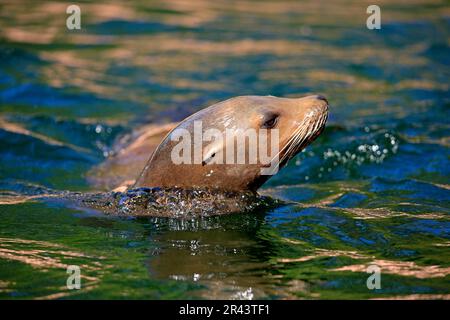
(309, 129)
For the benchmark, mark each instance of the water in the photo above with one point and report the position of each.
(373, 189)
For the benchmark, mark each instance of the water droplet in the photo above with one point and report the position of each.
(98, 128)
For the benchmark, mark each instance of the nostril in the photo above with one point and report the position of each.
(320, 97)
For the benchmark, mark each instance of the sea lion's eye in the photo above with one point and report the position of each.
(270, 121)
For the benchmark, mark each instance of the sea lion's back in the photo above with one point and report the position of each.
(120, 170)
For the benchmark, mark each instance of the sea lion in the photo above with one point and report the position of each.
(124, 169)
(205, 186)
(297, 121)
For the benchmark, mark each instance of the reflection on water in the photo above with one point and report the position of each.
(46, 256)
(373, 189)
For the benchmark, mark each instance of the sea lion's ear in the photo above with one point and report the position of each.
(212, 153)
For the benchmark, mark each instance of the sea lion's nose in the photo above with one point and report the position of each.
(318, 103)
(320, 97)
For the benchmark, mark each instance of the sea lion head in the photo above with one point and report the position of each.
(222, 146)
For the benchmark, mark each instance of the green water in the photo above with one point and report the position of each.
(373, 189)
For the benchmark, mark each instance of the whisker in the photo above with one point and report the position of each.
(301, 136)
